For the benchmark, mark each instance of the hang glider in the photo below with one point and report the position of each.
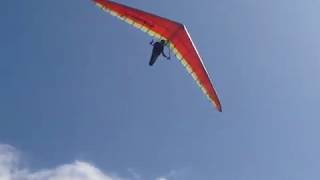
(175, 34)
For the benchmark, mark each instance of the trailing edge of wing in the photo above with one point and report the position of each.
(177, 37)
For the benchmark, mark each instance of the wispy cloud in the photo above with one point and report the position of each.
(174, 175)
(10, 169)
(161, 178)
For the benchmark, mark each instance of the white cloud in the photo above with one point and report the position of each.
(175, 174)
(10, 169)
(135, 175)
(161, 178)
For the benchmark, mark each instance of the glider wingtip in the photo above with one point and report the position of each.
(219, 108)
(217, 105)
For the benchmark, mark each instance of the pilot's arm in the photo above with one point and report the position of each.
(164, 55)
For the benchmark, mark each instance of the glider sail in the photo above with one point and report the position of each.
(175, 34)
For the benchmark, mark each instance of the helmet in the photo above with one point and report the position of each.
(162, 41)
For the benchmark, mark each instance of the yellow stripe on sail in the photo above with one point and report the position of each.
(157, 35)
(190, 71)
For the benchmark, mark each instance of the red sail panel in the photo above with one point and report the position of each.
(182, 45)
(177, 37)
(154, 25)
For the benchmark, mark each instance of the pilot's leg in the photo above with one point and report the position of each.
(153, 58)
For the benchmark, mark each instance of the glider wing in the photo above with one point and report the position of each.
(175, 34)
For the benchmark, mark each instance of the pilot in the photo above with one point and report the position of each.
(157, 50)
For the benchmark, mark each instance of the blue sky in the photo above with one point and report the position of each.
(76, 86)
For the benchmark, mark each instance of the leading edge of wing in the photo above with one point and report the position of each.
(187, 53)
(177, 43)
